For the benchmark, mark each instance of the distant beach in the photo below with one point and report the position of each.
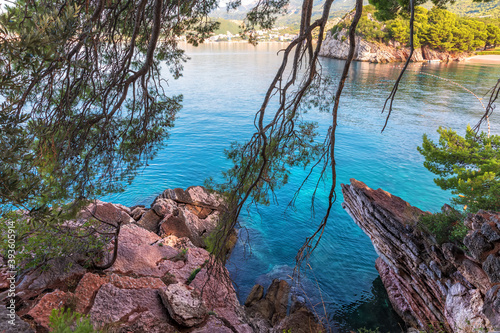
(485, 59)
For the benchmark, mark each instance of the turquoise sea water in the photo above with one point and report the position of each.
(223, 86)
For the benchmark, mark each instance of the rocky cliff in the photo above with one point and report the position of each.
(337, 47)
(431, 286)
(160, 281)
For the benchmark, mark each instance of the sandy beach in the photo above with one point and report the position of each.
(484, 59)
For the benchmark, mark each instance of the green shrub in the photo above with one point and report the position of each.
(469, 166)
(446, 227)
(67, 321)
(193, 275)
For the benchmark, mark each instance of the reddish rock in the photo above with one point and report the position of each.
(165, 207)
(301, 320)
(200, 227)
(196, 257)
(200, 211)
(86, 290)
(127, 282)
(194, 195)
(150, 221)
(126, 307)
(43, 309)
(174, 225)
(138, 212)
(212, 325)
(140, 254)
(106, 212)
(178, 243)
(184, 304)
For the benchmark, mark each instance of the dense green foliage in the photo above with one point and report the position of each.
(468, 166)
(446, 227)
(67, 321)
(437, 28)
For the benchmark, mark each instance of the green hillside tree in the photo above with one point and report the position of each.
(469, 166)
(493, 38)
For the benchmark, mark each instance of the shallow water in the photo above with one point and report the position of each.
(223, 85)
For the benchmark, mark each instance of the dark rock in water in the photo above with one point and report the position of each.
(277, 296)
(431, 286)
(274, 305)
(255, 295)
(271, 310)
(300, 320)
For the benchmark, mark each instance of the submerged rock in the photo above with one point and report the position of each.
(430, 285)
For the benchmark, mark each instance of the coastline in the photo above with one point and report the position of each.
(484, 59)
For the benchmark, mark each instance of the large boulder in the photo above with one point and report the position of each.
(194, 195)
(86, 291)
(43, 309)
(128, 308)
(165, 207)
(184, 304)
(150, 221)
(140, 252)
(106, 212)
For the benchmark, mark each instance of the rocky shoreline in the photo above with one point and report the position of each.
(160, 281)
(337, 47)
(442, 288)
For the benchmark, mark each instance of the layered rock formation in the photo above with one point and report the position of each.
(442, 287)
(160, 281)
(337, 47)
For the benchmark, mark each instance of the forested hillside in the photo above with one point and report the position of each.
(465, 8)
(437, 28)
(475, 9)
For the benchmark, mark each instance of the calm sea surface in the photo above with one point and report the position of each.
(223, 86)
